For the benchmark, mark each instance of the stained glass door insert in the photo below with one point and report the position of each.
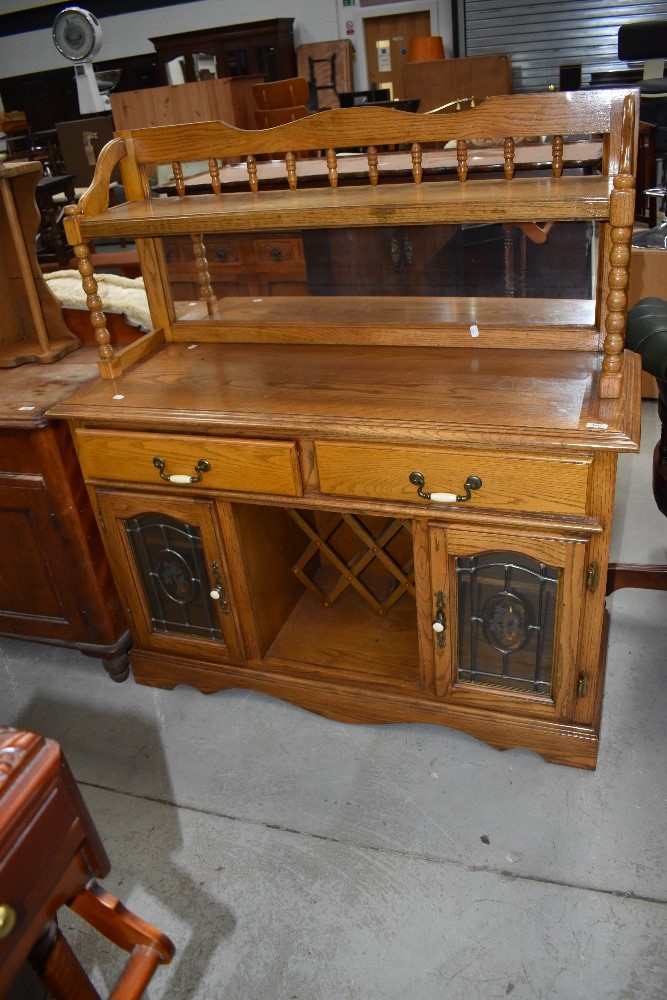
(507, 604)
(170, 561)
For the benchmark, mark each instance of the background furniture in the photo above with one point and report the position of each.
(41, 146)
(446, 80)
(229, 100)
(328, 68)
(55, 584)
(647, 334)
(280, 102)
(50, 855)
(31, 323)
(258, 47)
(80, 142)
(648, 278)
(51, 193)
(381, 508)
(647, 40)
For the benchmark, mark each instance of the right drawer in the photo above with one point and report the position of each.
(510, 481)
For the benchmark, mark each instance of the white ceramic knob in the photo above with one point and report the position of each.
(443, 497)
(215, 594)
(438, 626)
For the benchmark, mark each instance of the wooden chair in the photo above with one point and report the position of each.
(50, 854)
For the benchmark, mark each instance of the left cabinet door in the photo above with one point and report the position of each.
(169, 562)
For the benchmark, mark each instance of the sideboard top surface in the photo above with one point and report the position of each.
(433, 395)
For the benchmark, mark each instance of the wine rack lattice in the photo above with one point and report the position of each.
(366, 556)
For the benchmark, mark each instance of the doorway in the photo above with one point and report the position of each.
(386, 41)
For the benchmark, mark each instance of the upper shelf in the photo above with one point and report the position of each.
(551, 123)
(518, 200)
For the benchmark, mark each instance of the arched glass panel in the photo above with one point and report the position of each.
(507, 617)
(170, 561)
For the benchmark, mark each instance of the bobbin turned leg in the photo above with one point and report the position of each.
(93, 301)
(621, 216)
(206, 292)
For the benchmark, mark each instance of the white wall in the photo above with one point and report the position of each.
(351, 25)
(128, 34)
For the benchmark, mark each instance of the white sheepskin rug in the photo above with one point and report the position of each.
(119, 295)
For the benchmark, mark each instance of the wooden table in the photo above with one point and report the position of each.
(31, 322)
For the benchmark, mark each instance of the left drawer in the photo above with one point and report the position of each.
(252, 466)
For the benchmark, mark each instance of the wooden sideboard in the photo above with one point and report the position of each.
(380, 507)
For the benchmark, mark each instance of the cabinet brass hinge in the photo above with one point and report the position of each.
(593, 577)
(582, 685)
(440, 621)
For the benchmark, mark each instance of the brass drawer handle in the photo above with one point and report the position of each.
(471, 483)
(7, 920)
(201, 466)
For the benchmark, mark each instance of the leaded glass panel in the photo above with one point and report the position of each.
(507, 606)
(170, 560)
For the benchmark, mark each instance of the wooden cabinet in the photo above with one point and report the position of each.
(383, 506)
(446, 81)
(228, 99)
(258, 47)
(55, 584)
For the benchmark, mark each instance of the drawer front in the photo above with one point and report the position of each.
(278, 251)
(221, 250)
(218, 249)
(244, 465)
(509, 481)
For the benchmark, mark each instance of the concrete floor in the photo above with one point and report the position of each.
(290, 857)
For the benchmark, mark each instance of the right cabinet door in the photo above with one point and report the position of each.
(506, 612)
